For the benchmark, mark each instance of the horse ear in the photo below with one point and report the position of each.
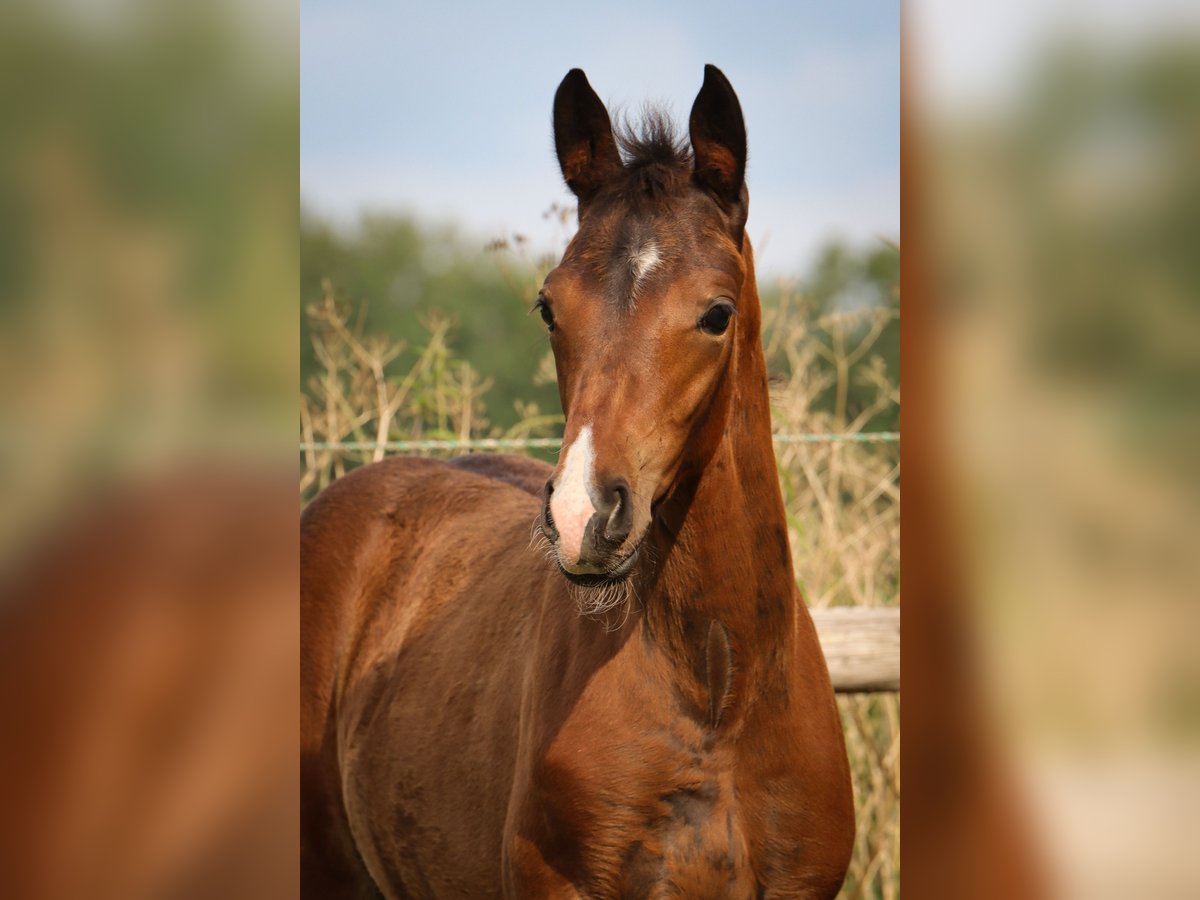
(583, 137)
(719, 139)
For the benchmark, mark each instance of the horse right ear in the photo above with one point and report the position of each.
(719, 138)
(583, 137)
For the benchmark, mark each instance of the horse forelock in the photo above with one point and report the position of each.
(653, 152)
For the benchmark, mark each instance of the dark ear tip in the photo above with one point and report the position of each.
(575, 78)
(714, 75)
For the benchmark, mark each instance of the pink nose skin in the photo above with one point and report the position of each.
(571, 503)
(570, 524)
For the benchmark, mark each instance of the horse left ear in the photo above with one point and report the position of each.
(583, 137)
(719, 141)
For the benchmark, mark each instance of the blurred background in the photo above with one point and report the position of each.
(1056, 197)
(148, 576)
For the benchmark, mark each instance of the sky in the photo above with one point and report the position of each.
(443, 110)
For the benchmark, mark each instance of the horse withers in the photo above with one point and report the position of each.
(633, 704)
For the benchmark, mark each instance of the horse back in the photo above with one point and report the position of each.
(530, 475)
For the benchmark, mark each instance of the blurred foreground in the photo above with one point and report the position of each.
(1053, 377)
(148, 659)
(148, 625)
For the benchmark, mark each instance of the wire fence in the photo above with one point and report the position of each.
(861, 437)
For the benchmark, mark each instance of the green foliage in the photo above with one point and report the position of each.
(402, 272)
(370, 389)
(850, 300)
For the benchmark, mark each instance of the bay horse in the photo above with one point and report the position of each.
(648, 712)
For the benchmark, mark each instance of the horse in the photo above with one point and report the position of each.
(634, 702)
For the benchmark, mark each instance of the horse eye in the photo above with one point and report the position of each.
(716, 319)
(544, 310)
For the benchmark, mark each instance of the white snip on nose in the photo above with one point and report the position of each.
(571, 503)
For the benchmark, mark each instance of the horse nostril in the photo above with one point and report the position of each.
(620, 510)
(547, 519)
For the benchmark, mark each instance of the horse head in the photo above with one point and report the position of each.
(646, 313)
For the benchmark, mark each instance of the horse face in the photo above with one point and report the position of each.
(643, 314)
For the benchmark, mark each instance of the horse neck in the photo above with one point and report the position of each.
(722, 546)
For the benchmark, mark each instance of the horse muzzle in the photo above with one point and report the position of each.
(589, 532)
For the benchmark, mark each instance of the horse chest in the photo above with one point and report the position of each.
(686, 843)
(695, 848)
(643, 818)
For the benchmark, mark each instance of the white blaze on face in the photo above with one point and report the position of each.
(571, 503)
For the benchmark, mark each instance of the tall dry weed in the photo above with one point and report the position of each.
(842, 501)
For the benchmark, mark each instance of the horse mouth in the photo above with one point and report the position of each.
(616, 573)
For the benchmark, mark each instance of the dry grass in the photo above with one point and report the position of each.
(843, 509)
(358, 397)
(842, 499)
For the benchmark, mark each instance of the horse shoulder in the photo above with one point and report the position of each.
(344, 535)
(427, 571)
(802, 824)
